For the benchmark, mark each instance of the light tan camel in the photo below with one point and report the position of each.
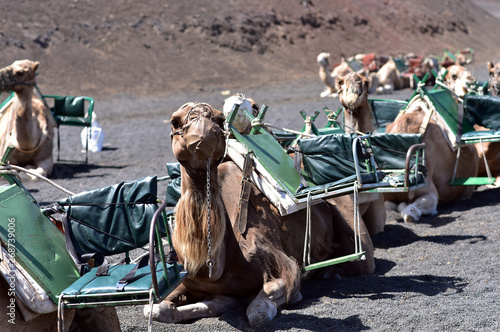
(458, 79)
(494, 81)
(257, 267)
(330, 78)
(26, 123)
(389, 78)
(440, 162)
(353, 95)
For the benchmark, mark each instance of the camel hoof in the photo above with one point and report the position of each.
(411, 214)
(261, 313)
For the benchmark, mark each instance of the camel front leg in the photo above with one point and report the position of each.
(265, 306)
(423, 205)
(168, 312)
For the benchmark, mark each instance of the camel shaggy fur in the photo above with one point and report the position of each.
(257, 267)
(26, 123)
(353, 95)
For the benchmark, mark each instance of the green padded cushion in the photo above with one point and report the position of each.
(485, 136)
(70, 110)
(89, 283)
(174, 186)
(107, 225)
(328, 158)
(385, 111)
(483, 110)
(390, 149)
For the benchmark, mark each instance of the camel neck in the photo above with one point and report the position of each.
(362, 121)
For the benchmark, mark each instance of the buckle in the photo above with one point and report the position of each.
(120, 285)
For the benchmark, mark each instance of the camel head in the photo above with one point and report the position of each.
(353, 91)
(18, 75)
(197, 135)
(322, 59)
(494, 72)
(458, 79)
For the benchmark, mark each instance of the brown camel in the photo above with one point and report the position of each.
(440, 162)
(494, 81)
(353, 95)
(257, 267)
(26, 123)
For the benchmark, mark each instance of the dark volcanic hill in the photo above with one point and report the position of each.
(102, 48)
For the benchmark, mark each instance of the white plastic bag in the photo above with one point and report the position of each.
(96, 138)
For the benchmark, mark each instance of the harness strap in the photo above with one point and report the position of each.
(131, 276)
(297, 162)
(246, 186)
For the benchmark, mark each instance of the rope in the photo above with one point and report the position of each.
(21, 169)
(306, 258)
(284, 129)
(150, 322)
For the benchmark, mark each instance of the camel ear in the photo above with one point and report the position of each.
(490, 66)
(219, 118)
(35, 65)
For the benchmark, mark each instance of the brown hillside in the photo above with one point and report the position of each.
(102, 48)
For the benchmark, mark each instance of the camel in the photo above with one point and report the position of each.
(440, 162)
(440, 158)
(458, 79)
(330, 79)
(228, 266)
(494, 81)
(388, 78)
(26, 123)
(353, 95)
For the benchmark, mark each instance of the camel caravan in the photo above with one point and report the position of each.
(255, 209)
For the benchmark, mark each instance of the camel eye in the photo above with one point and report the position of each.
(176, 123)
(454, 76)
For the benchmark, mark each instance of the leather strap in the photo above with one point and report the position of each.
(246, 187)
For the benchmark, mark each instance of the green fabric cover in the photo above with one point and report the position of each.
(39, 245)
(390, 149)
(447, 107)
(174, 186)
(328, 158)
(385, 111)
(483, 110)
(102, 212)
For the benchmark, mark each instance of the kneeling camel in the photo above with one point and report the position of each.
(258, 266)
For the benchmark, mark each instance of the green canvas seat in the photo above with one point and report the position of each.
(385, 111)
(71, 111)
(114, 220)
